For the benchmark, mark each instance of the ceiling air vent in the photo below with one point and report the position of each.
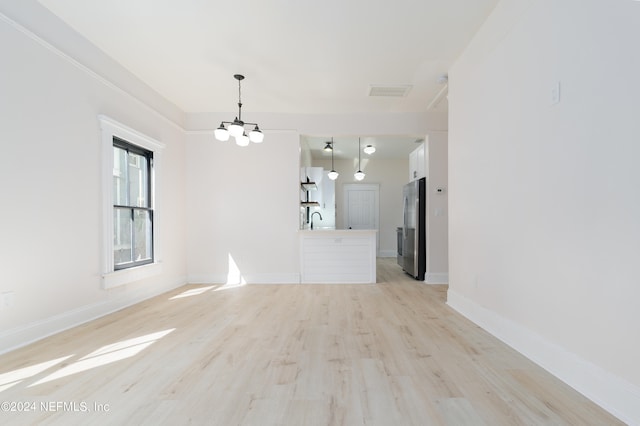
(392, 91)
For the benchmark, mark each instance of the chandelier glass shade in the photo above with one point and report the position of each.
(235, 128)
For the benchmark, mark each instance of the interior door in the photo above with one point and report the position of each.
(361, 207)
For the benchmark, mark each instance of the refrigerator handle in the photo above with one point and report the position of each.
(405, 208)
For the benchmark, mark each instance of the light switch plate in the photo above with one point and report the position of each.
(8, 299)
(555, 93)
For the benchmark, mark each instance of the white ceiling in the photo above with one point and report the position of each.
(346, 147)
(298, 56)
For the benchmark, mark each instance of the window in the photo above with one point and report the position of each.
(132, 208)
(131, 189)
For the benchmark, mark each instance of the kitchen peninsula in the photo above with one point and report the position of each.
(338, 256)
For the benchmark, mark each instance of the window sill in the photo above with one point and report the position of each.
(126, 276)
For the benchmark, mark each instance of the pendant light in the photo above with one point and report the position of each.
(369, 149)
(328, 147)
(359, 175)
(333, 175)
(236, 127)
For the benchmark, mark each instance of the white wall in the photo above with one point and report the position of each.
(50, 174)
(544, 199)
(437, 271)
(243, 203)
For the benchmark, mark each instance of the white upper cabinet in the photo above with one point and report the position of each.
(417, 168)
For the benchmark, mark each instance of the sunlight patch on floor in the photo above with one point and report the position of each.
(14, 377)
(106, 355)
(192, 292)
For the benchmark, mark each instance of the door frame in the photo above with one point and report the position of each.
(346, 188)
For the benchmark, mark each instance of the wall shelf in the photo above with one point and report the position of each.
(309, 186)
(309, 204)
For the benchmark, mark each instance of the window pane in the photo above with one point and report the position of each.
(133, 221)
(138, 180)
(122, 236)
(119, 176)
(142, 235)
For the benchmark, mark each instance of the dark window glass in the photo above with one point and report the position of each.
(132, 210)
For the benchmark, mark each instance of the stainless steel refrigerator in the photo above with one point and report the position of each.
(412, 245)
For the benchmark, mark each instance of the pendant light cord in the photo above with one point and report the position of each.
(332, 168)
(239, 102)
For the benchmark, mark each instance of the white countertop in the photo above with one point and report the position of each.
(334, 232)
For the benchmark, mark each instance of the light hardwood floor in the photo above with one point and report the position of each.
(392, 353)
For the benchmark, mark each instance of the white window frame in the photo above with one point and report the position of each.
(110, 128)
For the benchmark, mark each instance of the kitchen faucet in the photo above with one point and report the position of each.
(318, 213)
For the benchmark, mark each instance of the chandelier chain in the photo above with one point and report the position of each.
(332, 168)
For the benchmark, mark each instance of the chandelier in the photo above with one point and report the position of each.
(236, 127)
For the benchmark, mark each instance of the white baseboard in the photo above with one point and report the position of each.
(284, 278)
(291, 278)
(387, 253)
(25, 334)
(207, 279)
(617, 396)
(437, 278)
